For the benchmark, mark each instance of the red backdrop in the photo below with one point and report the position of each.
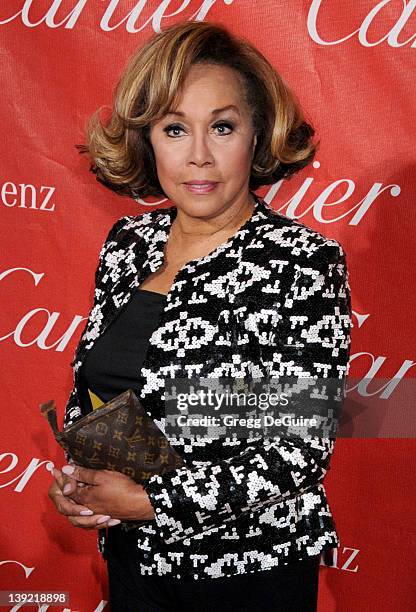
(352, 64)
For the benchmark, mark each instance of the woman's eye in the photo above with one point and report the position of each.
(169, 128)
(221, 125)
(224, 124)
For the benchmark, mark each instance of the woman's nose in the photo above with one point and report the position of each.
(200, 151)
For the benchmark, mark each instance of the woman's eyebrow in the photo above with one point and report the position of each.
(214, 112)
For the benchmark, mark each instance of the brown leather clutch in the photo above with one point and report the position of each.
(120, 436)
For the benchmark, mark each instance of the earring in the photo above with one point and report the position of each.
(143, 203)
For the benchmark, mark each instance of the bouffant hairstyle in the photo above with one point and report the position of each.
(120, 151)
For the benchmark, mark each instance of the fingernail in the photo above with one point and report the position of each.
(68, 469)
(103, 519)
(86, 512)
(66, 488)
(113, 522)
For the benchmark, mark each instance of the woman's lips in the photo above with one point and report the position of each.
(200, 187)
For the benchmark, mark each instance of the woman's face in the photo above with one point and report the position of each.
(200, 145)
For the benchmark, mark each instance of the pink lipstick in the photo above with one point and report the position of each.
(200, 187)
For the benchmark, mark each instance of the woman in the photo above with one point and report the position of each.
(219, 284)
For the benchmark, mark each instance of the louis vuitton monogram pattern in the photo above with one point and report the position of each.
(120, 436)
(274, 300)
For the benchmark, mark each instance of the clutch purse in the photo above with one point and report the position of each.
(119, 435)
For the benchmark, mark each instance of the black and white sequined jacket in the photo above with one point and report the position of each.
(273, 300)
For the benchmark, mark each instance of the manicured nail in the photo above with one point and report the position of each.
(86, 512)
(103, 519)
(113, 522)
(68, 469)
(66, 488)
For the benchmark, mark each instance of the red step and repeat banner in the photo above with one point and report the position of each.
(352, 65)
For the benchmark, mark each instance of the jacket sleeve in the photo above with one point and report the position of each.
(72, 408)
(317, 321)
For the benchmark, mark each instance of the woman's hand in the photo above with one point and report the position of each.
(107, 492)
(78, 515)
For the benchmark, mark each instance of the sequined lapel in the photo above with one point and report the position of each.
(143, 255)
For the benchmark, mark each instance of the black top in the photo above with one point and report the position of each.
(113, 364)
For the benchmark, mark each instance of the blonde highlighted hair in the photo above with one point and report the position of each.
(119, 149)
